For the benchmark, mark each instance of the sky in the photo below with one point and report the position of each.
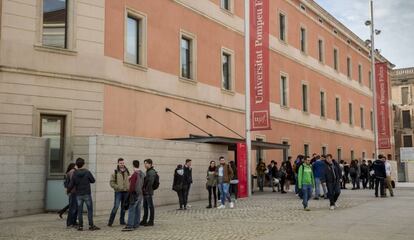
(395, 19)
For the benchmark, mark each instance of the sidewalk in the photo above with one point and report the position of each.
(265, 216)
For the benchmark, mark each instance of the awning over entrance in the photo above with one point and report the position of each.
(231, 142)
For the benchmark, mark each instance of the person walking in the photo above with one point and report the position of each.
(73, 205)
(306, 181)
(364, 174)
(179, 186)
(283, 176)
(388, 180)
(148, 192)
(380, 174)
(318, 168)
(296, 165)
(212, 184)
(332, 177)
(224, 174)
(353, 172)
(135, 196)
(274, 176)
(371, 175)
(119, 182)
(81, 182)
(188, 180)
(261, 172)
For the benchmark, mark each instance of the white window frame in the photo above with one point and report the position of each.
(142, 17)
(193, 55)
(321, 50)
(280, 12)
(231, 6)
(351, 117)
(324, 103)
(362, 116)
(305, 51)
(307, 96)
(229, 52)
(337, 59)
(338, 119)
(360, 73)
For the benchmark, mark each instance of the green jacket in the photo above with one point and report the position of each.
(305, 176)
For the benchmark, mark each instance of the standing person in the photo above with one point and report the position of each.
(290, 175)
(333, 177)
(179, 186)
(380, 174)
(364, 174)
(212, 183)
(73, 205)
(358, 179)
(388, 180)
(318, 168)
(82, 179)
(148, 192)
(353, 172)
(224, 173)
(346, 172)
(120, 184)
(234, 181)
(282, 174)
(136, 181)
(306, 182)
(342, 166)
(296, 165)
(273, 174)
(261, 172)
(188, 180)
(371, 175)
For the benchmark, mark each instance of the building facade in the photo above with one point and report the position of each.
(73, 69)
(403, 105)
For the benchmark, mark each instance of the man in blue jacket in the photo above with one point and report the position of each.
(318, 168)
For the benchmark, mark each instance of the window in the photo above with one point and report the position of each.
(226, 71)
(406, 116)
(323, 110)
(133, 40)
(303, 40)
(339, 154)
(371, 119)
(285, 151)
(408, 141)
(361, 113)
(348, 67)
(338, 109)
(225, 4)
(350, 114)
(335, 60)
(282, 27)
(359, 73)
(305, 98)
(283, 91)
(404, 95)
(352, 155)
(187, 57)
(370, 79)
(363, 156)
(306, 150)
(55, 18)
(324, 150)
(302, 7)
(52, 127)
(320, 50)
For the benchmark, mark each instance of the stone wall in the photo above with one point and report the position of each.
(102, 152)
(22, 175)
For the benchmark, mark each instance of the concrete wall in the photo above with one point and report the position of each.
(102, 152)
(22, 175)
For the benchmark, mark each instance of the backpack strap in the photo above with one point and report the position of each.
(116, 175)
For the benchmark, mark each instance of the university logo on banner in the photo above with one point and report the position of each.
(259, 65)
(383, 109)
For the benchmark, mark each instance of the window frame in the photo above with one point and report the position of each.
(338, 114)
(323, 111)
(402, 96)
(303, 42)
(321, 50)
(281, 13)
(349, 67)
(362, 116)
(141, 18)
(193, 55)
(336, 59)
(286, 76)
(402, 118)
(351, 120)
(232, 82)
(360, 76)
(307, 105)
(403, 139)
(231, 6)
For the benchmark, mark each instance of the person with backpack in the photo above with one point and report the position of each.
(81, 182)
(306, 182)
(333, 175)
(179, 186)
(119, 182)
(188, 180)
(380, 174)
(151, 183)
(364, 174)
(135, 196)
(224, 175)
(72, 206)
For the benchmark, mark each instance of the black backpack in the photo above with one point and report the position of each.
(156, 183)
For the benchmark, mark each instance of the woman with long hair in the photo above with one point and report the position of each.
(211, 184)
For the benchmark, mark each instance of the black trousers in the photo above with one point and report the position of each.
(379, 182)
(212, 190)
(282, 184)
(334, 190)
(364, 181)
(187, 191)
(182, 198)
(148, 205)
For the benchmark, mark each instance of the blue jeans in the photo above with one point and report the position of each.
(134, 214)
(88, 200)
(224, 192)
(73, 210)
(306, 194)
(119, 199)
(317, 187)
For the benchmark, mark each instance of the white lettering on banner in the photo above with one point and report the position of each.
(258, 65)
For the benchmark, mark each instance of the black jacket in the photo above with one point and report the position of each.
(274, 172)
(188, 176)
(332, 172)
(81, 181)
(178, 183)
(149, 182)
(379, 169)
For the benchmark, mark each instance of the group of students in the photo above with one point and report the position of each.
(130, 190)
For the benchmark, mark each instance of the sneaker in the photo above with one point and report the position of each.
(221, 207)
(127, 229)
(332, 208)
(188, 206)
(231, 205)
(93, 228)
(149, 224)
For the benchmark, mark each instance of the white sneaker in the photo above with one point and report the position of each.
(221, 207)
(188, 206)
(231, 205)
(332, 208)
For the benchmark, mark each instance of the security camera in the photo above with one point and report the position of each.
(367, 22)
(377, 32)
(367, 42)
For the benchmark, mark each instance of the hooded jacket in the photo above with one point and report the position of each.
(119, 180)
(179, 180)
(81, 181)
(379, 169)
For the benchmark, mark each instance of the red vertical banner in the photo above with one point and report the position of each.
(242, 170)
(383, 107)
(259, 65)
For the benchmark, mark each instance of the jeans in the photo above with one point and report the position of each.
(364, 182)
(148, 205)
(334, 190)
(260, 181)
(233, 190)
(134, 214)
(187, 191)
(119, 199)
(224, 192)
(354, 182)
(306, 194)
(182, 197)
(379, 182)
(88, 200)
(73, 210)
(317, 187)
(212, 191)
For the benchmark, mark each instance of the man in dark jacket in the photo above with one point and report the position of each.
(380, 174)
(148, 191)
(82, 179)
(188, 180)
(332, 175)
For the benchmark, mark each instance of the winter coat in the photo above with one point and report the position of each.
(212, 178)
(332, 173)
(149, 182)
(120, 180)
(82, 179)
(179, 181)
(260, 169)
(227, 172)
(379, 169)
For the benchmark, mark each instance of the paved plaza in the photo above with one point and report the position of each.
(265, 216)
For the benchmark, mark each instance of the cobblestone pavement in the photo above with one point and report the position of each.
(265, 214)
